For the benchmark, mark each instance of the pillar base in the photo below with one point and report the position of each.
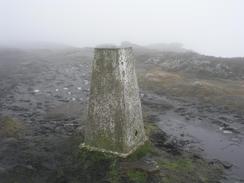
(122, 155)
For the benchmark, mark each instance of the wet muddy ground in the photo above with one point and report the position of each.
(48, 101)
(212, 131)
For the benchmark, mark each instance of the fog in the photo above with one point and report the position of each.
(212, 27)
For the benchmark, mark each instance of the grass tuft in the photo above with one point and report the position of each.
(136, 176)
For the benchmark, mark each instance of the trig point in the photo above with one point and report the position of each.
(114, 122)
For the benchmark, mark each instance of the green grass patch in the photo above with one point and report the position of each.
(142, 151)
(136, 176)
(177, 165)
(96, 156)
(113, 174)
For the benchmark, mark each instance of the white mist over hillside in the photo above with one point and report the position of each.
(209, 27)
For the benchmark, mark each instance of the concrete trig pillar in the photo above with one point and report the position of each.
(115, 123)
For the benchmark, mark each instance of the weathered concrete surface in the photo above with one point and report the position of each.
(114, 116)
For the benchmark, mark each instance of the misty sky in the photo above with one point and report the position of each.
(214, 27)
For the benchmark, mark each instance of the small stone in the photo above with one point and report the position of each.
(226, 165)
(30, 167)
(227, 131)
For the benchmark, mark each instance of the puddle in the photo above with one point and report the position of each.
(216, 143)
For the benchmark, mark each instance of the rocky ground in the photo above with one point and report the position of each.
(43, 101)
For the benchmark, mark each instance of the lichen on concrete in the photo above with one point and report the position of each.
(114, 116)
